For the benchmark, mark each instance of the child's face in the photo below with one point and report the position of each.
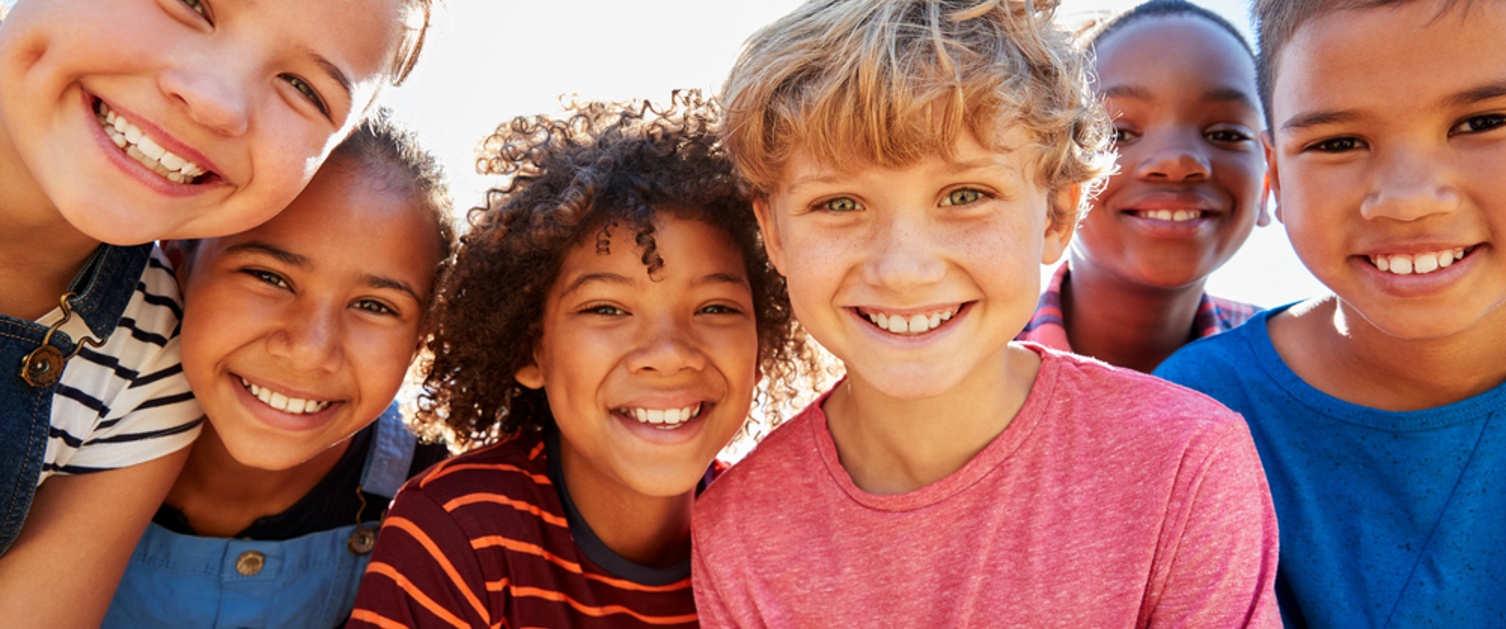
(648, 378)
(245, 98)
(1387, 162)
(298, 333)
(1191, 173)
(915, 277)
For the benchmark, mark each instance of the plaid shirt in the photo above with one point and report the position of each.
(1046, 327)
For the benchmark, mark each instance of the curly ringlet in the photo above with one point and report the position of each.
(600, 168)
(889, 82)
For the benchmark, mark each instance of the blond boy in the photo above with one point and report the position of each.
(912, 163)
(1377, 409)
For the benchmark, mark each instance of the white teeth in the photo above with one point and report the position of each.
(145, 150)
(294, 406)
(1419, 264)
(663, 419)
(1174, 216)
(911, 325)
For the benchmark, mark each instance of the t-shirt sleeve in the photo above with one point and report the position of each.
(710, 606)
(127, 401)
(423, 572)
(1216, 562)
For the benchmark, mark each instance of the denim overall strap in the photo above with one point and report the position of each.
(177, 580)
(391, 455)
(102, 290)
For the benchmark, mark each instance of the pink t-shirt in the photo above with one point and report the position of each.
(1113, 499)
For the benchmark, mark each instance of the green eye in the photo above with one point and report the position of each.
(963, 196)
(307, 91)
(841, 204)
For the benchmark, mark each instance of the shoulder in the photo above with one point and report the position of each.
(515, 462)
(1138, 405)
(780, 462)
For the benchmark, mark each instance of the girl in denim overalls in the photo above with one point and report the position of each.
(123, 122)
(296, 337)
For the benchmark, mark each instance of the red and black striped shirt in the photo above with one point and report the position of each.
(488, 539)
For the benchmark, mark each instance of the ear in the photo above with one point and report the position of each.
(769, 228)
(531, 376)
(1059, 233)
(1272, 174)
(1263, 217)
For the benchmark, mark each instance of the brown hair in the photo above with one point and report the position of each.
(601, 167)
(889, 82)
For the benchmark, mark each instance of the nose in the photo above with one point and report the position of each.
(665, 346)
(310, 338)
(217, 96)
(1410, 185)
(1175, 159)
(903, 255)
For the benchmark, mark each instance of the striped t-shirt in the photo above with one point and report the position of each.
(486, 539)
(125, 402)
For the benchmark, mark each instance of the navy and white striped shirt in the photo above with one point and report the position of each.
(127, 401)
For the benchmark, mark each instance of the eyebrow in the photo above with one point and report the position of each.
(604, 278)
(377, 281)
(282, 255)
(334, 72)
(1317, 118)
(1489, 91)
(1221, 94)
(721, 278)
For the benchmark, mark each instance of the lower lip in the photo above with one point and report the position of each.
(278, 419)
(685, 432)
(1169, 229)
(130, 166)
(1417, 285)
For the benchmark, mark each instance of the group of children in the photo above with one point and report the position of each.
(228, 230)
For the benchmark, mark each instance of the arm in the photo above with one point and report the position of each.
(1216, 566)
(78, 538)
(423, 572)
(709, 604)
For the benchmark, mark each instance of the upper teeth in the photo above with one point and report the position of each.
(910, 324)
(284, 403)
(1422, 263)
(663, 419)
(145, 150)
(1175, 216)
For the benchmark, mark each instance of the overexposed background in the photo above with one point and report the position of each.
(490, 60)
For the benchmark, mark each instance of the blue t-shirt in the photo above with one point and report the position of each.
(1388, 519)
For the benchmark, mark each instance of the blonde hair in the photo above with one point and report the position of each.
(889, 82)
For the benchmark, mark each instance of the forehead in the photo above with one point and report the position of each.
(1411, 58)
(1175, 46)
(1011, 155)
(358, 36)
(689, 247)
(347, 218)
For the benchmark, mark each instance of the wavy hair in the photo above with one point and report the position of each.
(567, 180)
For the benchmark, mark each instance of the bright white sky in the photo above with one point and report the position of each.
(491, 60)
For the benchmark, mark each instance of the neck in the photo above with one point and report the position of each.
(893, 446)
(1126, 324)
(1339, 353)
(42, 251)
(647, 530)
(221, 496)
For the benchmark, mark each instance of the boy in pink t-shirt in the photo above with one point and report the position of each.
(911, 163)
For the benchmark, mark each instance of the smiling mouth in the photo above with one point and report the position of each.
(663, 418)
(144, 150)
(1421, 263)
(910, 325)
(278, 401)
(1174, 216)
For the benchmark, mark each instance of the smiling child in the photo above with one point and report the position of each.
(602, 335)
(296, 336)
(123, 122)
(1377, 409)
(1179, 82)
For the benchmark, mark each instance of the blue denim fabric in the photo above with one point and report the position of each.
(103, 290)
(177, 580)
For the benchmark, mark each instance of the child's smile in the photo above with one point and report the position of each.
(150, 153)
(1387, 162)
(918, 321)
(647, 377)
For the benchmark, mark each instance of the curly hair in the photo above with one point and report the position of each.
(600, 167)
(889, 82)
